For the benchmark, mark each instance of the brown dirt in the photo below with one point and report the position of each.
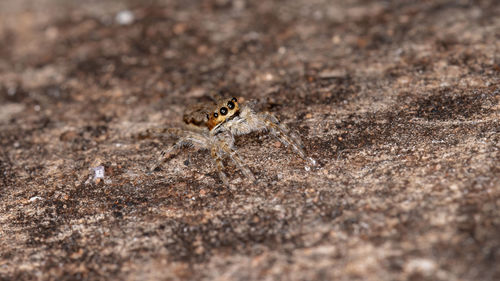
(397, 100)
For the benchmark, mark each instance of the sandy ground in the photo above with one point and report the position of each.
(398, 101)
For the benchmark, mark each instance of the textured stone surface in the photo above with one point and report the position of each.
(398, 101)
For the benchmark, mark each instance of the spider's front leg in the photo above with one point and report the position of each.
(188, 139)
(223, 144)
(282, 133)
(220, 166)
(233, 155)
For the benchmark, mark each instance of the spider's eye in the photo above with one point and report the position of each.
(234, 99)
(208, 117)
(230, 104)
(223, 111)
(216, 115)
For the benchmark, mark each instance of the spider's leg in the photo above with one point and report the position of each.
(220, 166)
(236, 159)
(165, 154)
(188, 139)
(282, 133)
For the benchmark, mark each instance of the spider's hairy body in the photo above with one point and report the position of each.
(214, 127)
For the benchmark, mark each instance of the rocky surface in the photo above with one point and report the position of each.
(397, 100)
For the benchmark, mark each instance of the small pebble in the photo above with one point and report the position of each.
(125, 17)
(98, 172)
(34, 198)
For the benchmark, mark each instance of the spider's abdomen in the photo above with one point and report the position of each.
(196, 116)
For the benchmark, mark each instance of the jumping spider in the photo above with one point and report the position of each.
(214, 128)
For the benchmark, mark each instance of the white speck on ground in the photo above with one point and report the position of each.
(98, 172)
(125, 17)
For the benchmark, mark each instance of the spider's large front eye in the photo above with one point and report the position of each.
(230, 104)
(223, 111)
(216, 115)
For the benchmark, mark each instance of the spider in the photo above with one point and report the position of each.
(215, 127)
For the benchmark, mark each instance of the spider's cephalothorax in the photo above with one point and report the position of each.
(214, 127)
(224, 111)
